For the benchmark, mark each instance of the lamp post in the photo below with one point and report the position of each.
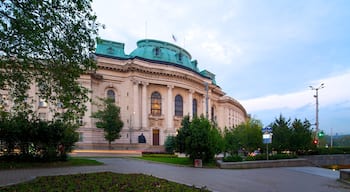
(316, 97)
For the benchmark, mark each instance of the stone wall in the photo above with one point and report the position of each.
(264, 164)
(324, 160)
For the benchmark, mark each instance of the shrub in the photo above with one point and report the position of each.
(232, 158)
(170, 144)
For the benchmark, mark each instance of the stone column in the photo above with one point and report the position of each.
(170, 116)
(144, 114)
(190, 103)
(136, 112)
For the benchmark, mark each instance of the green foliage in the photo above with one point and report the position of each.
(295, 136)
(281, 134)
(301, 137)
(104, 181)
(339, 141)
(232, 158)
(271, 157)
(47, 43)
(35, 139)
(183, 133)
(170, 144)
(333, 150)
(169, 159)
(199, 139)
(109, 120)
(246, 136)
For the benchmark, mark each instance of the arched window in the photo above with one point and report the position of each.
(111, 95)
(194, 107)
(179, 106)
(156, 104)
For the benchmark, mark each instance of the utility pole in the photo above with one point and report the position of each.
(317, 122)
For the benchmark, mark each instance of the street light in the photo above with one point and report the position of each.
(316, 96)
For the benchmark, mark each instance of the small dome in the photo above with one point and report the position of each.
(163, 51)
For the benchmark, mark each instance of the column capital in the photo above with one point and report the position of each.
(170, 86)
(144, 83)
(191, 91)
(135, 81)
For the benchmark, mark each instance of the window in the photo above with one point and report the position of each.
(156, 52)
(178, 106)
(179, 57)
(42, 103)
(194, 107)
(156, 104)
(213, 114)
(111, 95)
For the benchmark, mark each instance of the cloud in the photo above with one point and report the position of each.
(335, 92)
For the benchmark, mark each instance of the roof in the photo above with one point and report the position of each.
(153, 50)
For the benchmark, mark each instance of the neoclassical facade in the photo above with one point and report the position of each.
(154, 86)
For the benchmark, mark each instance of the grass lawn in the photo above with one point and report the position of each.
(105, 181)
(72, 161)
(185, 161)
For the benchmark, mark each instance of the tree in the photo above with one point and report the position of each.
(47, 42)
(231, 142)
(109, 120)
(183, 133)
(245, 136)
(202, 141)
(301, 138)
(281, 134)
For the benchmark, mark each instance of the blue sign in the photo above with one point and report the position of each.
(267, 141)
(266, 130)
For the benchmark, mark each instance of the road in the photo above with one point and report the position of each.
(288, 179)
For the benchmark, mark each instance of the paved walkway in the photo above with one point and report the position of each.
(269, 180)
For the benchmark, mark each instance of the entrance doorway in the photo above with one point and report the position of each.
(155, 136)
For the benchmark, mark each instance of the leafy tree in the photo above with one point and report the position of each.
(47, 42)
(252, 138)
(199, 139)
(231, 142)
(202, 142)
(109, 120)
(183, 133)
(245, 136)
(281, 134)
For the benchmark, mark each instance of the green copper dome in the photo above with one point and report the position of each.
(153, 50)
(163, 51)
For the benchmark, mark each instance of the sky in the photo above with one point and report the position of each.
(265, 54)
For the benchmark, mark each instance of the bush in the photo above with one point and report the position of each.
(36, 140)
(271, 157)
(170, 144)
(232, 158)
(256, 157)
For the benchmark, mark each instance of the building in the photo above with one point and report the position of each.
(155, 86)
